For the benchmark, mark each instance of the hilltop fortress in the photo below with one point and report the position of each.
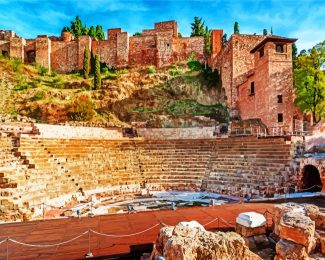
(256, 71)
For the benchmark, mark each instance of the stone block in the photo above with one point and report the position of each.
(288, 250)
(312, 211)
(299, 229)
(322, 241)
(248, 232)
(320, 220)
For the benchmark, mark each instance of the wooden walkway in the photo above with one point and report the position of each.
(60, 230)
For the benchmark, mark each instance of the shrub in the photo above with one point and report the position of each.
(53, 73)
(194, 65)
(20, 87)
(38, 96)
(82, 109)
(152, 69)
(175, 72)
(16, 65)
(42, 71)
(105, 70)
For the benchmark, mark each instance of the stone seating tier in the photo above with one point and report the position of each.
(36, 169)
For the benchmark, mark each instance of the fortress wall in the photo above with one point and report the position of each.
(64, 56)
(77, 132)
(143, 50)
(175, 133)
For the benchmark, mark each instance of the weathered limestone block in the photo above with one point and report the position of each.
(321, 236)
(320, 220)
(248, 232)
(298, 228)
(184, 243)
(312, 211)
(259, 241)
(287, 250)
(280, 210)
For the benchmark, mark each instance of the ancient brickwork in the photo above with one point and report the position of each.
(159, 47)
(43, 51)
(267, 91)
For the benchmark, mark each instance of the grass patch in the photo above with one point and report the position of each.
(151, 69)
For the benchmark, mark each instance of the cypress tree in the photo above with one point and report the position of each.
(99, 33)
(271, 30)
(236, 28)
(197, 27)
(97, 79)
(92, 32)
(264, 32)
(86, 63)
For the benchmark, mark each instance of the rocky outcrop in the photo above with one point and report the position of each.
(300, 230)
(191, 243)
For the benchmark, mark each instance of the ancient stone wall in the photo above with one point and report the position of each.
(216, 42)
(175, 133)
(143, 50)
(77, 132)
(43, 51)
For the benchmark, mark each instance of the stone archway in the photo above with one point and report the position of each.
(31, 56)
(311, 179)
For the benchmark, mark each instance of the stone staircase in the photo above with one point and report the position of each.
(34, 169)
(247, 164)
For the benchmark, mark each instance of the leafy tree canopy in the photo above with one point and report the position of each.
(198, 29)
(77, 28)
(309, 78)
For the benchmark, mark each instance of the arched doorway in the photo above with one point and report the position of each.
(30, 56)
(311, 181)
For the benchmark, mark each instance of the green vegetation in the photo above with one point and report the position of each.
(78, 29)
(309, 78)
(192, 107)
(16, 65)
(198, 29)
(82, 109)
(86, 65)
(137, 34)
(194, 65)
(97, 76)
(42, 71)
(236, 28)
(264, 32)
(151, 69)
(38, 96)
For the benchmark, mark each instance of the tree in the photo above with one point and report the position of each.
(99, 33)
(207, 40)
(271, 30)
(236, 28)
(224, 40)
(65, 29)
(137, 34)
(264, 32)
(92, 32)
(197, 27)
(309, 78)
(180, 35)
(85, 30)
(294, 54)
(97, 79)
(86, 67)
(76, 27)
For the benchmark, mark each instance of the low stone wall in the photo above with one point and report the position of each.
(175, 133)
(77, 132)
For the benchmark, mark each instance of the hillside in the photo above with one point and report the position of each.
(179, 95)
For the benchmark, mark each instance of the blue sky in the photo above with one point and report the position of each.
(300, 19)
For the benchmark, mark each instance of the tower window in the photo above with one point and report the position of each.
(262, 52)
(252, 93)
(279, 48)
(280, 118)
(280, 99)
